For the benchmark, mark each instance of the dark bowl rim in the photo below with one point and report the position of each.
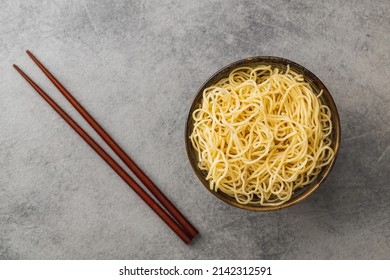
(310, 188)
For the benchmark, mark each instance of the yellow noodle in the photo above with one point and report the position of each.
(261, 134)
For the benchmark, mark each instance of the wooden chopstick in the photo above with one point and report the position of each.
(119, 170)
(119, 151)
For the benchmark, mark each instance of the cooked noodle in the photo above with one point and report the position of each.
(261, 134)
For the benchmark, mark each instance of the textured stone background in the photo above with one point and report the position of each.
(136, 65)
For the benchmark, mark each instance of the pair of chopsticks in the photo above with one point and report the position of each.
(171, 216)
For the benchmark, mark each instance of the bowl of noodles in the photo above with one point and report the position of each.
(262, 133)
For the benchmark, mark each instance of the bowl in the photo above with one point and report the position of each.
(317, 86)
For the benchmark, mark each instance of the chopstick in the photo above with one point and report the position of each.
(183, 234)
(190, 229)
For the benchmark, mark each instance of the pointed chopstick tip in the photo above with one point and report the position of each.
(16, 67)
(31, 55)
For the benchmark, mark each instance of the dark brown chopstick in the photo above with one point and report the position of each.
(119, 151)
(110, 161)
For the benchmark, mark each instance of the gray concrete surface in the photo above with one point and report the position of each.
(136, 65)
